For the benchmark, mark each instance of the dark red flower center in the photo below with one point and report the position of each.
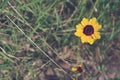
(79, 69)
(88, 30)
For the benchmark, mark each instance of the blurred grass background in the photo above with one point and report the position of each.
(34, 34)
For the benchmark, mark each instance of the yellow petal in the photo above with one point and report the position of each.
(93, 36)
(80, 65)
(97, 27)
(91, 41)
(79, 30)
(97, 35)
(78, 33)
(93, 21)
(74, 69)
(83, 39)
(84, 21)
(87, 39)
(79, 26)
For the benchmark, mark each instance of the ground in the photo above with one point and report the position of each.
(37, 40)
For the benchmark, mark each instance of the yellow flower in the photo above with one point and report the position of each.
(77, 68)
(88, 30)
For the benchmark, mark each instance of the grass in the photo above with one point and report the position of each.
(37, 40)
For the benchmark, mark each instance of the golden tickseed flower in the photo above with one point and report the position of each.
(77, 68)
(88, 30)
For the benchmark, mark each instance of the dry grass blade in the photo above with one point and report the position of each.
(9, 55)
(37, 46)
(98, 55)
(24, 21)
(33, 42)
